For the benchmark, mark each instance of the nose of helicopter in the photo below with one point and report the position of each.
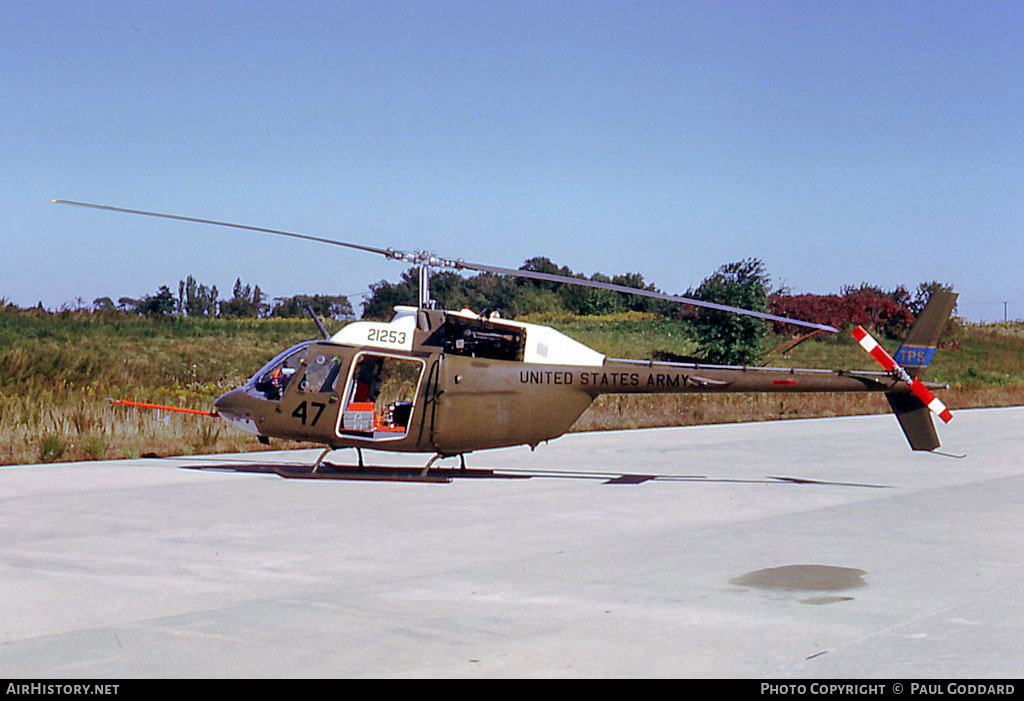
(226, 401)
(231, 407)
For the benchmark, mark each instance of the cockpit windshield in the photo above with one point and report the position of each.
(270, 381)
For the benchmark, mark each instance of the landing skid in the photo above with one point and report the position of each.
(322, 470)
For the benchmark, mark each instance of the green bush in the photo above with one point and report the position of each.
(725, 337)
(52, 447)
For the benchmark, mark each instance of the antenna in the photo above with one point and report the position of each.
(319, 324)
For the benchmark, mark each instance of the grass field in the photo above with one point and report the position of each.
(58, 370)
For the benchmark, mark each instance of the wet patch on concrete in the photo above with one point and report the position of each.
(806, 578)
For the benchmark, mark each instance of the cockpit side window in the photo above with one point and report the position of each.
(273, 378)
(322, 374)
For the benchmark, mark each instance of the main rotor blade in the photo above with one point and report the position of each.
(550, 277)
(178, 217)
(421, 258)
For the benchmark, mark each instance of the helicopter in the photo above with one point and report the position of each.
(452, 382)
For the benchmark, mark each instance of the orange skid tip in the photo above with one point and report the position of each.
(143, 405)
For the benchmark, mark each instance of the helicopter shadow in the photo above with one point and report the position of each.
(443, 475)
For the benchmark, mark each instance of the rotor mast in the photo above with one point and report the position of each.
(425, 301)
(424, 262)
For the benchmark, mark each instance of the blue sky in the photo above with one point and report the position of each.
(840, 142)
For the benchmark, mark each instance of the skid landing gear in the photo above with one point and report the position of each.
(323, 455)
(439, 475)
(462, 462)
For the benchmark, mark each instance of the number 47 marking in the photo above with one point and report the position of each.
(301, 414)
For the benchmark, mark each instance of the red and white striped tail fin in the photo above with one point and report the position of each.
(934, 404)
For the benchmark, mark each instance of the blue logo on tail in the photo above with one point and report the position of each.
(914, 356)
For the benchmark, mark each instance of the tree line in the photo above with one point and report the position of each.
(247, 301)
(514, 297)
(744, 283)
(723, 337)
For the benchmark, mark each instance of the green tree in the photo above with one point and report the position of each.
(543, 264)
(498, 292)
(726, 337)
(195, 299)
(333, 307)
(384, 295)
(160, 304)
(127, 304)
(899, 294)
(924, 293)
(635, 302)
(448, 289)
(246, 302)
(103, 305)
(589, 301)
(511, 296)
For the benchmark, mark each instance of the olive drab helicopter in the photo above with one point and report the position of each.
(448, 383)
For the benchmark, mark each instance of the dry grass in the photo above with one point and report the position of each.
(76, 425)
(58, 370)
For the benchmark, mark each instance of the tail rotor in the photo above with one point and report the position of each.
(934, 404)
(912, 408)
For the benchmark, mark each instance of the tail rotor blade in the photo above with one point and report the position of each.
(934, 404)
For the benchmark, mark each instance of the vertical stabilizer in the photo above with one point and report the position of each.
(919, 346)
